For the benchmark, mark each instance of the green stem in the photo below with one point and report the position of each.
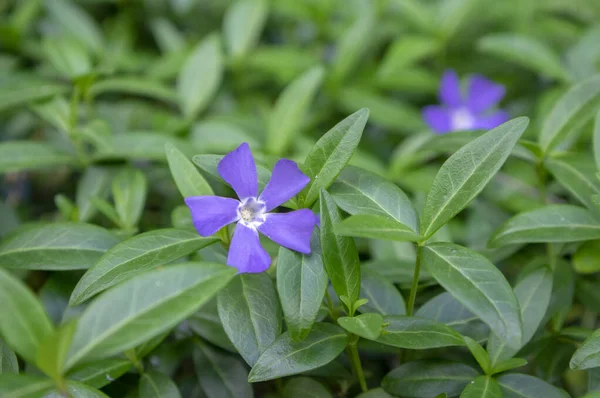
(415, 283)
(352, 352)
(542, 177)
(131, 355)
(332, 312)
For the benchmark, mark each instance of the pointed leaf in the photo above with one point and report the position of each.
(585, 259)
(129, 189)
(305, 387)
(29, 155)
(24, 386)
(509, 364)
(8, 359)
(365, 325)
(158, 385)
(417, 333)
(76, 23)
(242, 25)
(482, 387)
(189, 181)
(53, 350)
(578, 174)
(480, 355)
(95, 182)
(588, 354)
(383, 296)
(100, 373)
(516, 385)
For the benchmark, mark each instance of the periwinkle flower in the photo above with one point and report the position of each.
(473, 111)
(252, 211)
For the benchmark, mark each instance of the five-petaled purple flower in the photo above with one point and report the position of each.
(251, 211)
(471, 112)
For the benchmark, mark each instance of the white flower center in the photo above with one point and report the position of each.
(252, 212)
(462, 119)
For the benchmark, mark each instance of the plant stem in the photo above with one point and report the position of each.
(415, 283)
(352, 352)
(542, 177)
(332, 312)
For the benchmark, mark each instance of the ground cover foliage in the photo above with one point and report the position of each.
(437, 263)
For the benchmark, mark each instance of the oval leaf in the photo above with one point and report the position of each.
(383, 296)
(365, 325)
(157, 385)
(242, 25)
(100, 373)
(28, 155)
(129, 189)
(482, 387)
(305, 387)
(516, 385)
(24, 386)
(417, 333)
(588, 354)
(189, 181)
(578, 174)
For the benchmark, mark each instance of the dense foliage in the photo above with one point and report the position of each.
(443, 265)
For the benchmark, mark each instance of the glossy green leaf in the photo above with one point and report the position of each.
(8, 359)
(250, 313)
(406, 51)
(100, 373)
(552, 223)
(340, 256)
(221, 375)
(585, 259)
(140, 145)
(417, 333)
(383, 296)
(330, 154)
(426, 379)
(575, 108)
(480, 355)
(243, 24)
(21, 95)
(68, 56)
(365, 325)
(464, 175)
(129, 189)
(207, 324)
(474, 281)
(526, 52)
(578, 174)
(509, 364)
(533, 294)
(28, 155)
(134, 86)
(136, 255)
(53, 350)
(23, 323)
(305, 387)
(200, 77)
(157, 385)
(76, 23)
(13, 385)
(588, 354)
(95, 182)
(76, 389)
(221, 136)
(157, 301)
(57, 246)
(482, 387)
(287, 357)
(516, 385)
(188, 179)
(301, 284)
(379, 209)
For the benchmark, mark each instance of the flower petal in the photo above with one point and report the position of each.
(211, 213)
(483, 93)
(286, 181)
(450, 92)
(239, 170)
(439, 119)
(491, 121)
(291, 230)
(245, 252)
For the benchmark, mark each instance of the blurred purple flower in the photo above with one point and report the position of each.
(472, 111)
(251, 211)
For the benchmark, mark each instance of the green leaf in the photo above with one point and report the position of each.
(287, 357)
(574, 109)
(474, 281)
(250, 313)
(20, 95)
(136, 255)
(330, 154)
(533, 294)
(157, 385)
(29, 155)
(482, 387)
(406, 51)
(509, 364)
(57, 246)
(291, 110)
(596, 140)
(383, 296)
(340, 256)
(23, 323)
(454, 14)
(553, 223)
(426, 379)
(140, 145)
(301, 284)
(134, 86)
(375, 393)
(588, 354)
(464, 175)
(207, 324)
(100, 373)
(55, 112)
(68, 56)
(8, 359)
(526, 52)
(200, 77)
(188, 179)
(516, 385)
(578, 174)
(417, 333)
(53, 350)
(305, 387)
(365, 325)
(221, 136)
(585, 259)
(24, 386)
(243, 24)
(76, 23)
(379, 209)
(95, 182)
(220, 375)
(480, 355)
(80, 390)
(209, 163)
(154, 303)
(129, 190)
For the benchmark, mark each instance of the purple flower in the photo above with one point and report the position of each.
(471, 112)
(251, 211)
